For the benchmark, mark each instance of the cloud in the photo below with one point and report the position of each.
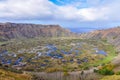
(46, 10)
(28, 9)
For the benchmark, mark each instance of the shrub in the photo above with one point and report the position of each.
(105, 71)
(109, 66)
(118, 73)
(66, 74)
(86, 68)
(95, 70)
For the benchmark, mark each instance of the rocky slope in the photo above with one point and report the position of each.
(112, 35)
(14, 30)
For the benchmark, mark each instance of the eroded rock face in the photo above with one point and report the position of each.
(14, 30)
(112, 35)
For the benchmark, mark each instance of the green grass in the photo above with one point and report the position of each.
(111, 54)
(87, 50)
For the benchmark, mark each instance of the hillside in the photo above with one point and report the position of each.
(50, 49)
(20, 30)
(112, 35)
(7, 75)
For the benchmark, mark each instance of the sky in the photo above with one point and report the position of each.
(76, 15)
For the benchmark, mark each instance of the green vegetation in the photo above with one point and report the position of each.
(7, 75)
(112, 53)
(118, 73)
(106, 71)
(113, 77)
(77, 55)
(85, 58)
(66, 73)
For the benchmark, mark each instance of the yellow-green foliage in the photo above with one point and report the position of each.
(109, 66)
(7, 75)
(66, 74)
(49, 70)
(117, 73)
(113, 77)
(106, 70)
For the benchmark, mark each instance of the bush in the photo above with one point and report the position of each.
(118, 73)
(95, 70)
(86, 68)
(105, 71)
(66, 74)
